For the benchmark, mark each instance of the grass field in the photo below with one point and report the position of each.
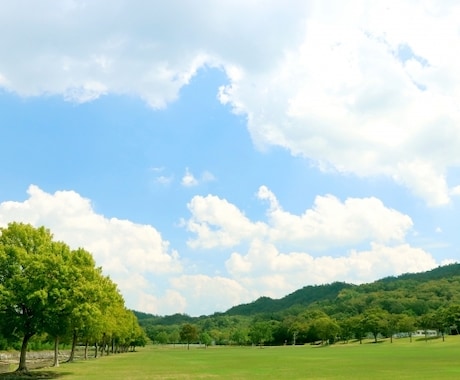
(399, 360)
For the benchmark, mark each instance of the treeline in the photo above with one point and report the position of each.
(50, 292)
(327, 313)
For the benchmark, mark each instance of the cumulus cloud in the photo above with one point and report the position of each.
(83, 50)
(266, 270)
(322, 235)
(153, 278)
(220, 292)
(126, 250)
(218, 223)
(329, 223)
(366, 93)
(354, 87)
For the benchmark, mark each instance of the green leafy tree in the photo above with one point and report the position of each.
(239, 336)
(376, 322)
(85, 318)
(174, 336)
(451, 317)
(426, 322)
(60, 301)
(188, 334)
(162, 337)
(26, 261)
(407, 324)
(358, 327)
(205, 339)
(261, 332)
(326, 328)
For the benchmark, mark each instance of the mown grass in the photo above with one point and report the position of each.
(399, 360)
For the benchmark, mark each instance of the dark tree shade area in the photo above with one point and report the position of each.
(50, 292)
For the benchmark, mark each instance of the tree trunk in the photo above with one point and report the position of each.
(74, 344)
(22, 359)
(56, 352)
(86, 350)
(95, 350)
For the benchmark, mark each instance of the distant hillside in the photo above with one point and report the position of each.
(411, 291)
(441, 272)
(306, 296)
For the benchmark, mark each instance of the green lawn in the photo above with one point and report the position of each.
(399, 360)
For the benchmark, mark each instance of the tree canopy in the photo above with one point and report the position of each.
(47, 288)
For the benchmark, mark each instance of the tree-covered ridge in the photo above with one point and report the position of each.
(412, 292)
(392, 305)
(48, 290)
(302, 297)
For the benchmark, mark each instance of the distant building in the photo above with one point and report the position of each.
(425, 333)
(416, 334)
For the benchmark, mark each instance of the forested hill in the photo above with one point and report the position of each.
(323, 294)
(302, 297)
(415, 292)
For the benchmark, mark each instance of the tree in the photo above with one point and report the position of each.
(174, 336)
(59, 285)
(26, 261)
(357, 326)
(427, 321)
(326, 328)
(261, 332)
(407, 324)
(85, 318)
(188, 334)
(239, 336)
(376, 321)
(451, 318)
(206, 339)
(162, 337)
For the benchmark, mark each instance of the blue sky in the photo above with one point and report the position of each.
(209, 153)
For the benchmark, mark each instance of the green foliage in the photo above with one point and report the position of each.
(188, 334)
(261, 332)
(302, 297)
(386, 307)
(47, 290)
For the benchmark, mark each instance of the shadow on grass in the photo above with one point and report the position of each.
(32, 375)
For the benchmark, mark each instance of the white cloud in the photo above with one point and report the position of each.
(333, 223)
(329, 223)
(170, 303)
(354, 87)
(86, 49)
(189, 180)
(127, 251)
(215, 293)
(218, 223)
(348, 100)
(153, 278)
(269, 272)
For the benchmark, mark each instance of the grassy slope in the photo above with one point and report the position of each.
(400, 360)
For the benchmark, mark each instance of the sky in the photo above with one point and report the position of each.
(211, 152)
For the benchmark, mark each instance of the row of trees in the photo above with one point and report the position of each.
(417, 301)
(47, 289)
(311, 325)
